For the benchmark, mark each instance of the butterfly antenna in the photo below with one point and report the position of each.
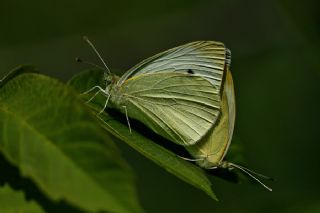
(250, 173)
(98, 54)
(257, 174)
(89, 63)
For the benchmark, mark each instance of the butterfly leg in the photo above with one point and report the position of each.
(100, 89)
(190, 159)
(105, 104)
(88, 101)
(125, 109)
(93, 88)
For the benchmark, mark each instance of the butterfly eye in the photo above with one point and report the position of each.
(190, 71)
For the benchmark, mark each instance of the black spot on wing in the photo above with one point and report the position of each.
(190, 71)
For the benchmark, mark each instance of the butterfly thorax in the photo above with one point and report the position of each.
(207, 160)
(207, 163)
(116, 93)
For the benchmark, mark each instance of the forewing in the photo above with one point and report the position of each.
(180, 107)
(207, 59)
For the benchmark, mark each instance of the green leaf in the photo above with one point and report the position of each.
(12, 201)
(48, 133)
(17, 71)
(158, 154)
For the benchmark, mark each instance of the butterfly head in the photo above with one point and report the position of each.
(110, 79)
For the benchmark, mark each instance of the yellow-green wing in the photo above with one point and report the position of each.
(180, 107)
(207, 59)
(214, 146)
(229, 89)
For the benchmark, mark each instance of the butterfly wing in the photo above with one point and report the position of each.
(180, 107)
(207, 59)
(229, 90)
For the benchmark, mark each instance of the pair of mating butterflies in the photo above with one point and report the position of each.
(184, 94)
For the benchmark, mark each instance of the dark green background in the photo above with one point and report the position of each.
(276, 69)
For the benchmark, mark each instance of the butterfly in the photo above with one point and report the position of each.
(176, 93)
(184, 94)
(212, 148)
(210, 151)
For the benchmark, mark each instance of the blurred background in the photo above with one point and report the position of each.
(276, 69)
